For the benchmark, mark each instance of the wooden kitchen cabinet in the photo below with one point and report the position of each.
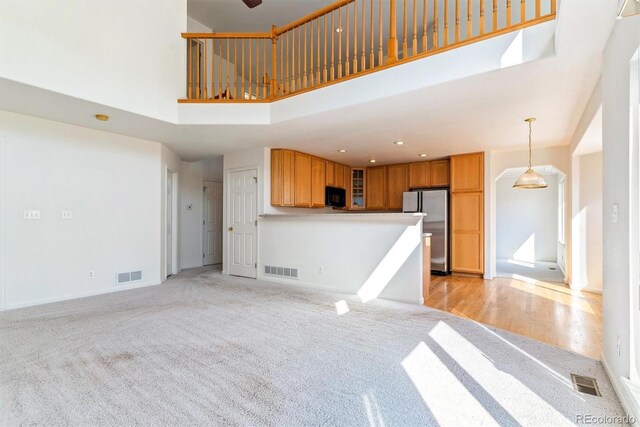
(467, 230)
(419, 175)
(397, 182)
(339, 176)
(318, 180)
(376, 188)
(330, 173)
(467, 172)
(439, 173)
(302, 179)
(282, 177)
(356, 191)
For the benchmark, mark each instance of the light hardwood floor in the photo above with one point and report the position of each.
(547, 312)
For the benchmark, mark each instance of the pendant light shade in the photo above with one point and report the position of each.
(530, 179)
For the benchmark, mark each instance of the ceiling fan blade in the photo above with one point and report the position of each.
(252, 3)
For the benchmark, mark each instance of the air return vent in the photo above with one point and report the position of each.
(288, 272)
(585, 384)
(128, 277)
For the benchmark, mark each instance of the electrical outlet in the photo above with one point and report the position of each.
(614, 213)
(91, 274)
(67, 214)
(31, 215)
(618, 345)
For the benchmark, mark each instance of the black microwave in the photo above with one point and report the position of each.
(336, 197)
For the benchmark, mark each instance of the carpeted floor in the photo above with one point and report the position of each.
(206, 349)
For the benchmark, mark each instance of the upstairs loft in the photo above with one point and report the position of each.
(346, 39)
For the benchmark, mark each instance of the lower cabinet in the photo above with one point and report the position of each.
(467, 232)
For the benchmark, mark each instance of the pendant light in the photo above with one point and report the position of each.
(530, 179)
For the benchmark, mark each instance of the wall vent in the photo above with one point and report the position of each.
(128, 277)
(288, 272)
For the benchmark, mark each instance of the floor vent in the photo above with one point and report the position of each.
(290, 273)
(128, 277)
(585, 385)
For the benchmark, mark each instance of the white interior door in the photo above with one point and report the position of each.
(169, 225)
(212, 223)
(242, 229)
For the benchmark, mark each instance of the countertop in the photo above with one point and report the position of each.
(346, 215)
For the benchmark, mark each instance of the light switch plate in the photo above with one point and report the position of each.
(614, 213)
(30, 215)
(67, 214)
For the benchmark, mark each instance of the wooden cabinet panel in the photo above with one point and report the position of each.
(375, 189)
(357, 188)
(419, 175)
(302, 179)
(318, 171)
(330, 172)
(339, 176)
(397, 183)
(467, 172)
(282, 176)
(439, 173)
(467, 231)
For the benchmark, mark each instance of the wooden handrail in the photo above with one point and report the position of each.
(330, 44)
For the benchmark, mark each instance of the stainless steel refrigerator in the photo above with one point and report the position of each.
(435, 203)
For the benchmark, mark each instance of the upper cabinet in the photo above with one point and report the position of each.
(356, 192)
(440, 173)
(282, 174)
(420, 174)
(318, 170)
(376, 188)
(397, 182)
(467, 172)
(302, 180)
(330, 172)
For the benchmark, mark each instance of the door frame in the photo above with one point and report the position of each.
(226, 213)
(173, 176)
(204, 183)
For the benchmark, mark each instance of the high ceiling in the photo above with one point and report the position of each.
(234, 15)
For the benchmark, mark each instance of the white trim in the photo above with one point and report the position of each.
(79, 295)
(306, 285)
(3, 237)
(630, 405)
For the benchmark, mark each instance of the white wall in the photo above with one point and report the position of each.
(521, 214)
(496, 162)
(170, 162)
(587, 223)
(126, 54)
(362, 254)
(112, 185)
(620, 151)
(190, 184)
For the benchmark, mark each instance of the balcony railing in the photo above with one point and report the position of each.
(346, 39)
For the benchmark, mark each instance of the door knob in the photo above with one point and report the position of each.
(230, 228)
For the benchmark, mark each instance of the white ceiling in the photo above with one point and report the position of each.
(480, 113)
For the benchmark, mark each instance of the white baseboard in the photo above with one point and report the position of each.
(67, 297)
(624, 389)
(335, 289)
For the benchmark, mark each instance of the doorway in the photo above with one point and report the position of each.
(212, 223)
(243, 225)
(529, 228)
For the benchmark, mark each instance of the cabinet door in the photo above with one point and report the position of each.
(331, 175)
(439, 173)
(339, 181)
(467, 236)
(419, 175)
(288, 178)
(396, 185)
(376, 181)
(276, 178)
(356, 188)
(282, 176)
(318, 170)
(302, 188)
(467, 172)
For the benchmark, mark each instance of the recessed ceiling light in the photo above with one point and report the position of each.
(339, 30)
(102, 117)
(423, 155)
(399, 142)
(342, 150)
(372, 161)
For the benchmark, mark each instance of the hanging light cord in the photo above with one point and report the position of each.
(529, 145)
